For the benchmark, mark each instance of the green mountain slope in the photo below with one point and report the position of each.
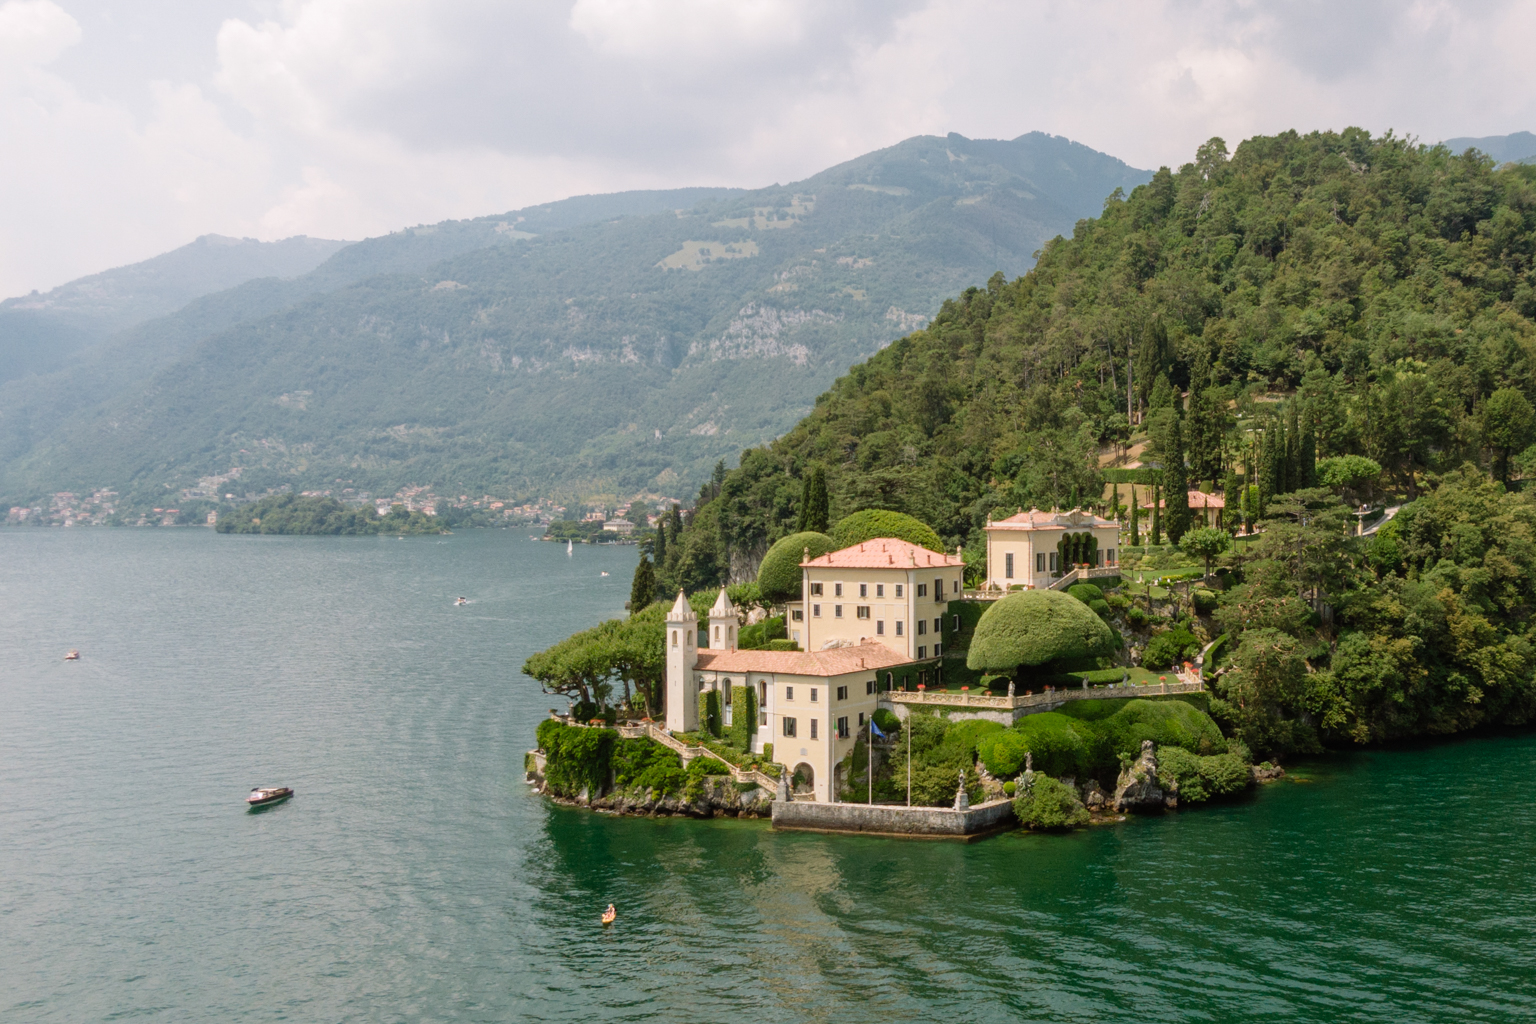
(1393, 286)
(604, 357)
(41, 332)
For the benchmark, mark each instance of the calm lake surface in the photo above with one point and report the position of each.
(415, 878)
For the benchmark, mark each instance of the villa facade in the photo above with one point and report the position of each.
(864, 612)
(1032, 549)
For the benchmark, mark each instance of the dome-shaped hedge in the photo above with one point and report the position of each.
(1036, 627)
(778, 578)
(875, 522)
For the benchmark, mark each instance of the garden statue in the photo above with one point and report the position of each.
(1010, 687)
(962, 799)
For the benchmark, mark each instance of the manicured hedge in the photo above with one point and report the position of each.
(1037, 627)
(778, 577)
(875, 523)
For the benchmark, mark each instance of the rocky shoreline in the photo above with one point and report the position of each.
(718, 797)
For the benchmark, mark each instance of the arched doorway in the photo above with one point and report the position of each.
(803, 779)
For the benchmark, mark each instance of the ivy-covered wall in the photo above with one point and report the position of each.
(743, 716)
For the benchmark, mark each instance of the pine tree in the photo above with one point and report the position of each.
(642, 591)
(1135, 518)
(818, 507)
(1176, 483)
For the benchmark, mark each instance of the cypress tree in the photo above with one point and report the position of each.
(660, 544)
(1155, 539)
(1306, 475)
(805, 504)
(1292, 451)
(1176, 483)
(818, 507)
(643, 590)
(1266, 474)
(1135, 519)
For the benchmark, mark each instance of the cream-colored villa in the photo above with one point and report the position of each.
(863, 611)
(1032, 549)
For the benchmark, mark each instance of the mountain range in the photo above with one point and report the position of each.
(601, 345)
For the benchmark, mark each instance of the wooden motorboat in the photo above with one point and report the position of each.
(609, 915)
(72, 656)
(267, 796)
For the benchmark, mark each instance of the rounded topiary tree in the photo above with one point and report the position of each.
(1034, 628)
(778, 578)
(876, 522)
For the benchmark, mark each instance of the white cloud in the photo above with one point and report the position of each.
(352, 117)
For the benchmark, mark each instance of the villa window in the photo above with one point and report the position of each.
(863, 589)
(797, 614)
(1109, 556)
(1008, 566)
(956, 627)
(879, 627)
(922, 627)
(922, 652)
(898, 590)
(1039, 563)
(938, 625)
(674, 638)
(879, 589)
(842, 728)
(814, 694)
(861, 719)
(869, 687)
(899, 625)
(717, 632)
(815, 589)
(938, 649)
(862, 611)
(789, 693)
(922, 590)
(842, 693)
(837, 590)
(890, 677)
(837, 611)
(813, 727)
(938, 590)
(762, 718)
(789, 727)
(815, 611)
(1052, 557)
(762, 692)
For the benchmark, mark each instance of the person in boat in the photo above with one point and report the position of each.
(610, 914)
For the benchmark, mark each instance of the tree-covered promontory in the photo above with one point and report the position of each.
(1307, 322)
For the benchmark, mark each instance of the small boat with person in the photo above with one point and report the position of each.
(462, 600)
(267, 796)
(72, 656)
(609, 915)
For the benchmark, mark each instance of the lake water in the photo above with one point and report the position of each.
(415, 878)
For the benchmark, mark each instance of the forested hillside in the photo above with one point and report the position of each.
(602, 358)
(1306, 297)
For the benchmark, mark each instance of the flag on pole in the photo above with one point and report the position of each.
(875, 728)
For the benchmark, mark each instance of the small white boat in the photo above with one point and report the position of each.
(267, 796)
(570, 546)
(603, 574)
(462, 600)
(75, 655)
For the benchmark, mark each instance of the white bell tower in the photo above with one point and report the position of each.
(682, 656)
(722, 624)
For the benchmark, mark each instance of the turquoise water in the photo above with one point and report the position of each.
(414, 877)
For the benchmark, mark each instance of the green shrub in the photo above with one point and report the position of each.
(743, 716)
(1205, 601)
(757, 636)
(575, 758)
(1117, 601)
(1063, 745)
(709, 713)
(1100, 607)
(781, 645)
(886, 720)
(779, 575)
(1202, 777)
(875, 523)
(1137, 616)
(1169, 646)
(1170, 723)
(1009, 788)
(1050, 804)
(1036, 627)
(1086, 592)
(644, 763)
(1003, 753)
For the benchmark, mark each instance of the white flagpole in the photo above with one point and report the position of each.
(909, 757)
(871, 753)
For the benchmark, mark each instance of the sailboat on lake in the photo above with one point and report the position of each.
(569, 546)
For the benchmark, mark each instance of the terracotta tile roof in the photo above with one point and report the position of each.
(1035, 519)
(839, 661)
(883, 553)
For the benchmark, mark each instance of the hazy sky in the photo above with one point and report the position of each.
(128, 127)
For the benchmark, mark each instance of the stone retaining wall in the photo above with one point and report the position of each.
(883, 819)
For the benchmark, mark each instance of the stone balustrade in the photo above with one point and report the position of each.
(1046, 698)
